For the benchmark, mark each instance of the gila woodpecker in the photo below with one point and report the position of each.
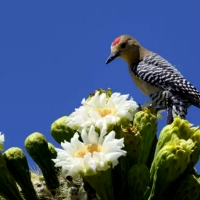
(156, 77)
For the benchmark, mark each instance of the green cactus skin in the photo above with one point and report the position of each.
(195, 154)
(37, 147)
(188, 188)
(8, 187)
(53, 156)
(169, 164)
(138, 181)
(17, 165)
(60, 131)
(152, 152)
(146, 123)
(52, 150)
(133, 146)
(179, 128)
(102, 184)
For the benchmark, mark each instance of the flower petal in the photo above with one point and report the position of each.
(88, 163)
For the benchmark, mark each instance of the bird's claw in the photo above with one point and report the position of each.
(139, 107)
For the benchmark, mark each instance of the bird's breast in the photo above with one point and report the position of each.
(145, 87)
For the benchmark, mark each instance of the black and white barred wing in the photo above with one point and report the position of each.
(158, 72)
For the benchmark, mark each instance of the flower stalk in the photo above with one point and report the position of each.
(102, 183)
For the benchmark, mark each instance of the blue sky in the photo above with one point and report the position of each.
(53, 53)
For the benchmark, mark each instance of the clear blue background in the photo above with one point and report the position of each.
(52, 54)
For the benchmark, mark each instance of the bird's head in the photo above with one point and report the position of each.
(125, 47)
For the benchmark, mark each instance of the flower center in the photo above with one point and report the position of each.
(90, 148)
(106, 111)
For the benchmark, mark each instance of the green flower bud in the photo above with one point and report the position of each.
(145, 122)
(60, 131)
(37, 147)
(101, 91)
(132, 142)
(169, 164)
(195, 154)
(52, 150)
(17, 165)
(179, 128)
(8, 187)
(138, 181)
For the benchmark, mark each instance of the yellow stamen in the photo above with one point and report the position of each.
(106, 111)
(90, 148)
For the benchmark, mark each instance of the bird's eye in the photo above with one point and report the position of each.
(123, 45)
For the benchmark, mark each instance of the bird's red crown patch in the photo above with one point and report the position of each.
(116, 41)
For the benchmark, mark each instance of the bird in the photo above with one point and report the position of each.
(156, 77)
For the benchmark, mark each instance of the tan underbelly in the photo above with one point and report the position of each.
(146, 88)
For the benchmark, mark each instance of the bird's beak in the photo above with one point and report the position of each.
(112, 57)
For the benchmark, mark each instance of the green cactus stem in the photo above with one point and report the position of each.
(152, 152)
(37, 147)
(17, 165)
(102, 184)
(138, 181)
(145, 122)
(188, 188)
(8, 187)
(169, 164)
(53, 156)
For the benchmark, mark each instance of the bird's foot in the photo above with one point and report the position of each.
(170, 118)
(150, 107)
(139, 107)
(154, 110)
